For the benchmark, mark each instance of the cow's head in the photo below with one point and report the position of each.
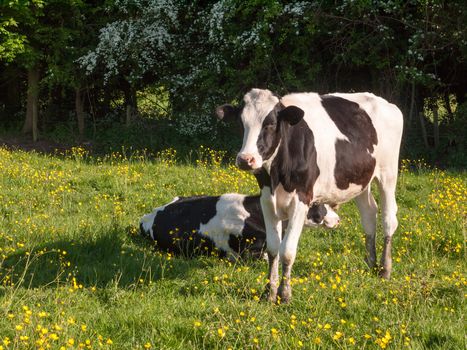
(322, 214)
(263, 116)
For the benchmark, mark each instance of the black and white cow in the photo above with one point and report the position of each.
(307, 148)
(232, 224)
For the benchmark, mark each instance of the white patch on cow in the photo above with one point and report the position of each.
(147, 221)
(283, 201)
(229, 220)
(331, 219)
(258, 104)
(269, 210)
(297, 213)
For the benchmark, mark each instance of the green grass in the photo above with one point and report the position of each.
(74, 272)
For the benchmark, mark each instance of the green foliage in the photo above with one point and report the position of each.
(377, 46)
(17, 16)
(73, 269)
(203, 54)
(12, 43)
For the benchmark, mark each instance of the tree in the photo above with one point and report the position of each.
(413, 53)
(136, 44)
(407, 52)
(46, 38)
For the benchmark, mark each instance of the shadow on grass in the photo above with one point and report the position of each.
(112, 259)
(436, 340)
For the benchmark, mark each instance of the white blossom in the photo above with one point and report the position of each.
(133, 46)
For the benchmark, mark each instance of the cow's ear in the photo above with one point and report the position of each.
(227, 113)
(291, 114)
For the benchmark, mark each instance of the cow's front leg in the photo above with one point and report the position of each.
(288, 248)
(273, 239)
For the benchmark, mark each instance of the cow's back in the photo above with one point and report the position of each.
(355, 135)
(388, 122)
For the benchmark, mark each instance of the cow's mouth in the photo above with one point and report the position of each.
(246, 162)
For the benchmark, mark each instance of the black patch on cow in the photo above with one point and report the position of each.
(291, 114)
(354, 164)
(176, 227)
(316, 213)
(263, 178)
(269, 136)
(142, 230)
(295, 165)
(254, 224)
(191, 244)
(236, 244)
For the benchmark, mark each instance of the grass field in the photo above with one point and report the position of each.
(75, 274)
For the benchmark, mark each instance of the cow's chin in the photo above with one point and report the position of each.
(330, 224)
(311, 223)
(252, 168)
(255, 168)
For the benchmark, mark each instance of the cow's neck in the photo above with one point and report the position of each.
(295, 158)
(267, 163)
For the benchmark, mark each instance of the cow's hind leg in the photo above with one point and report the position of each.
(387, 187)
(288, 249)
(368, 211)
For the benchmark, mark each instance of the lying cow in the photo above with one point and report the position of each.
(232, 224)
(307, 148)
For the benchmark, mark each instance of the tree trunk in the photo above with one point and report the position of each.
(423, 127)
(104, 109)
(447, 103)
(32, 107)
(412, 103)
(129, 114)
(131, 105)
(92, 110)
(436, 126)
(79, 105)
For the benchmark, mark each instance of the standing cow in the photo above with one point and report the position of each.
(308, 148)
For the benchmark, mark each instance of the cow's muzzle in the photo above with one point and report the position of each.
(331, 222)
(246, 161)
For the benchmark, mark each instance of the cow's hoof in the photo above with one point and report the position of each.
(385, 274)
(233, 257)
(370, 263)
(272, 297)
(269, 294)
(285, 294)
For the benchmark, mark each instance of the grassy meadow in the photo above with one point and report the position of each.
(74, 274)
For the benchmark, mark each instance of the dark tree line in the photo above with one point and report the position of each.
(82, 63)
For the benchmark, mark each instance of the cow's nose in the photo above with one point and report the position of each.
(245, 161)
